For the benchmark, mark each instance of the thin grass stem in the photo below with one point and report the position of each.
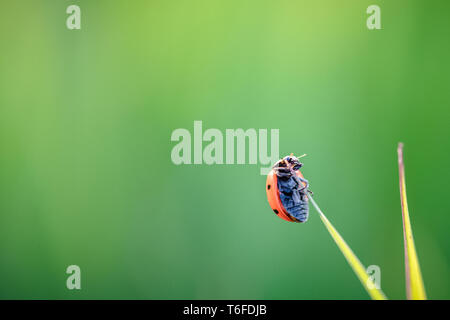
(367, 282)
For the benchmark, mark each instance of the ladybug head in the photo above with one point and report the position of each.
(293, 161)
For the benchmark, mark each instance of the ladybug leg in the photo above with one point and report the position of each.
(305, 182)
(300, 182)
(306, 186)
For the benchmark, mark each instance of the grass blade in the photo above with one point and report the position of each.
(352, 259)
(415, 289)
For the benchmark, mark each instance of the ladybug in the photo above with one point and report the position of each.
(287, 190)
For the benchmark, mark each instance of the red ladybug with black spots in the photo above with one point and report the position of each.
(287, 190)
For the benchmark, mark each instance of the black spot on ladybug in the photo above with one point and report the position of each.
(275, 210)
(268, 187)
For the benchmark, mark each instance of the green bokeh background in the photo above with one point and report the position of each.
(85, 122)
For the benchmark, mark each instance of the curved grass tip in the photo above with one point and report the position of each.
(415, 289)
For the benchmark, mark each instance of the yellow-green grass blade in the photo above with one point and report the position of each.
(415, 289)
(352, 259)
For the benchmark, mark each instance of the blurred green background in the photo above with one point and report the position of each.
(86, 118)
